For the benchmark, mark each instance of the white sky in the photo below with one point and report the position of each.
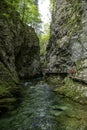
(44, 10)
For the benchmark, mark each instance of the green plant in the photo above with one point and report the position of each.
(27, 9)
(44, 38)
(7, 16)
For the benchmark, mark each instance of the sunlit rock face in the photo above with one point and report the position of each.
(67, 47)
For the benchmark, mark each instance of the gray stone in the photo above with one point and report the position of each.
(68, 41)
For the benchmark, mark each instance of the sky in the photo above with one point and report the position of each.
(44, 11)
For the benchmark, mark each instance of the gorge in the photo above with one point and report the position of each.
(49, 94)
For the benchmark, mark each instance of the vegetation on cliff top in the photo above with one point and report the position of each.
(27, 9)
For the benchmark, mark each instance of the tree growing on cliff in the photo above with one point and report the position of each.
(28, 11)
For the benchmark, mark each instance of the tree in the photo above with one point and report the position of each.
(28, 11)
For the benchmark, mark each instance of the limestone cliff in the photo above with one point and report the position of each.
(19, 54)
(67, 47)
(68, 43)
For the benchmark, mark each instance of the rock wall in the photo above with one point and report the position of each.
(67, 47)
(19, 54)
(27, 60)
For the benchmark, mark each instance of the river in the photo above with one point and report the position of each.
(43, 109)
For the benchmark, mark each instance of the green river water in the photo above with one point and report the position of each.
(43, 109)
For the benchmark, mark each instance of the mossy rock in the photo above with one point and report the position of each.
(55, 80)
(73, 90)
(7, 100)
(9, 96)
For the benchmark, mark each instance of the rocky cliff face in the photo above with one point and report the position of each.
(19, 53)
(27, 59)
(67, 47)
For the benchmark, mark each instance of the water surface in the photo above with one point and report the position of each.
(43, 109)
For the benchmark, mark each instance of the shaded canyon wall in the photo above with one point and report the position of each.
(19, 54)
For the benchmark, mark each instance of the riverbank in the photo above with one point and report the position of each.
(75, 91)
(10, 96)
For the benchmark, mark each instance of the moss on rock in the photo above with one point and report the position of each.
(75, 91)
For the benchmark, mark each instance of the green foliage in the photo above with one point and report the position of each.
(44, 38)
(51, 5)
(6, 15)
(78, 65)
(27, 10)
(43, 41)
(71, 89)
(13, 3)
